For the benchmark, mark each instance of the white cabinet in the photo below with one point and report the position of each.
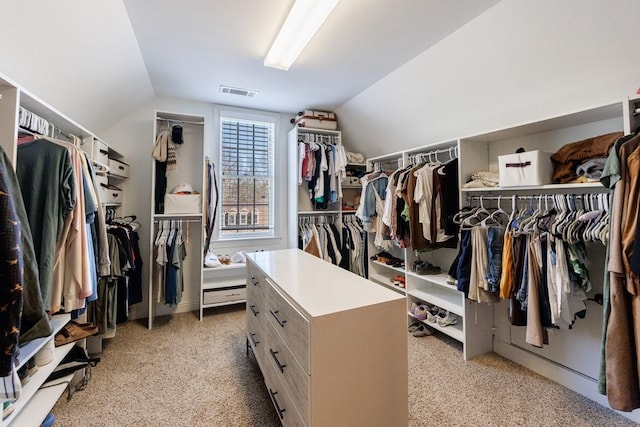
(35, 402)
(189, 170)
(223, 285)
(332, 348)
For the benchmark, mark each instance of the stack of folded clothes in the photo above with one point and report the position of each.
(481, 179)
(583, 161)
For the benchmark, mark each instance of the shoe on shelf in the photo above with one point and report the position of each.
(415, 325)
(44, 356)
(211, 260)
(32, 366)
(239, 257)
(7, 409)
(448, 320)
(423, 268)
(74, 331)
(421, 312)
(422, 331)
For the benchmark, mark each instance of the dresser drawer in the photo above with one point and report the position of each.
(290, 324)
(256, 283)
(281, 399)
(288, 370)
(256, 336)
(222, 295)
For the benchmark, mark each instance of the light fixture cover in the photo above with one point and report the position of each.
(304, 19)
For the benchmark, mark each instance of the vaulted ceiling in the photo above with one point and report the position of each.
(95, 61)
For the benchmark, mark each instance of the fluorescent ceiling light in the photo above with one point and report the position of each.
(304, 19)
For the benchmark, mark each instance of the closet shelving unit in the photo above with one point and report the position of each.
(299, 202)
(572, 356)
(564, 359)
(188, 154)
(473, 329)
(379, 272)
(36, 402)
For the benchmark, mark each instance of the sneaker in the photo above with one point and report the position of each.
(422, 331)
(32, 366)
(415, 325)
(7, 408)
(412, 310)
(421, 312)
(448, 320)
(44, 356)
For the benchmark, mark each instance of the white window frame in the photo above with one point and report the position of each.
(254, 116)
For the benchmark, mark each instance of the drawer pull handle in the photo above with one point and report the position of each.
(252, 308)
(275, 316)
(105, 152)
(275, 357)
(253, 340)
(121, 168)
(254, 281)
(275, 403)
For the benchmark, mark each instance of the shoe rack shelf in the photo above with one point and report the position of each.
(385, 281)
(455, 331)
(35, 403)
(400, 270)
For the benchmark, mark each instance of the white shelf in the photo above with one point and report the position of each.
(436, 279)
(30, 396)
(385, 281)
(34, 412)
(351, 186)
(590, 186)
(442, 298)
(32, 347)
(454, 331)
(390, 267)
(177, 215)
(227, 267)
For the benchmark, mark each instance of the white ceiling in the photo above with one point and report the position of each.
(191, 47)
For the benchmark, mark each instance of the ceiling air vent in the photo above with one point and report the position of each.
(238, 91)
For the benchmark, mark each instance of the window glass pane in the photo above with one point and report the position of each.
(247, 177)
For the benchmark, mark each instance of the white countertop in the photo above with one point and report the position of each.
(317, 286)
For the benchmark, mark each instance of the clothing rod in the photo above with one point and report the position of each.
(438, 151)
(331, 213)
(157, 221)
(532, 196)
(179, 121)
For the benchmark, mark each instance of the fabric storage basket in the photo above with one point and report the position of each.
(316, 120)
(182, 203)
(525, 169)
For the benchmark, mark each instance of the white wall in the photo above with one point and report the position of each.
(79, 56)
(133, 137)
(517, 62)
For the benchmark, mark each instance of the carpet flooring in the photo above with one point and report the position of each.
(190, 373)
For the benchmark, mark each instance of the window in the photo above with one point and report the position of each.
(247, 163)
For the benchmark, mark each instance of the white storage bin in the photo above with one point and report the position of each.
(529, 168)
(222, 295)
(182, 203)
(109, 194)
(100, 152)
(118, 168)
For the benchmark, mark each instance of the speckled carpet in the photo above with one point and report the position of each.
(190, 373)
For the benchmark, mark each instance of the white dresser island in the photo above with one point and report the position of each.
(331, 346)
